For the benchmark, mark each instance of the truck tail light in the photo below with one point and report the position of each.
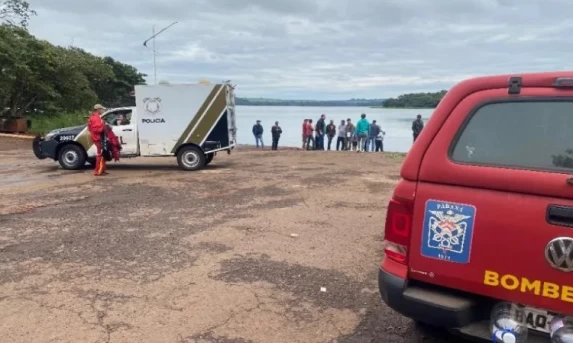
(398, 230)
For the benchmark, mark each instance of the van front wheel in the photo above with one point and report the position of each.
(72, 157)
(191, 158)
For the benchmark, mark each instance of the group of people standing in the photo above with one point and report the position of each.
(364, 136)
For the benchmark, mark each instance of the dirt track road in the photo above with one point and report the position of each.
(154, 254)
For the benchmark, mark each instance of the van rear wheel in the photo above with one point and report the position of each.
(209, 158)
(191, 158)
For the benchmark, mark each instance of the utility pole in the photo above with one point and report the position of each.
(154, 50)
(154, 57)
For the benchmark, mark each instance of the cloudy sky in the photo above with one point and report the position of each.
(319, 49)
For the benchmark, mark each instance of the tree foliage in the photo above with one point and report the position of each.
(416, 100)
(319, 103)
(15, 12)
(38, 77)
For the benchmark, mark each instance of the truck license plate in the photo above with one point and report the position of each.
(537, 320)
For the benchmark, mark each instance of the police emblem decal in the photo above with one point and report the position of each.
(448, 231)
(152, 106)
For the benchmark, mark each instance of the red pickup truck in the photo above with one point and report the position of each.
(483, 212)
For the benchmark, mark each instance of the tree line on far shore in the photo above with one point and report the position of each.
(412, 100)
(416, 100)
(313, 103)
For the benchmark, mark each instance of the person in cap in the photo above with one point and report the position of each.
(97, 128)
(258, 133)
(276, 132)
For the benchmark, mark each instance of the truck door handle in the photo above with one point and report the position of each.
(560, 215)
(127, 130)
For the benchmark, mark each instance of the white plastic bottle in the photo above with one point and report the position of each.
(561, 330)
(507, 324)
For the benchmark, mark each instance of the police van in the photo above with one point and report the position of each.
(189, 121)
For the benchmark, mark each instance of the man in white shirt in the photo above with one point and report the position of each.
(341, 141)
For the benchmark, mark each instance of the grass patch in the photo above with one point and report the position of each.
(44, 123)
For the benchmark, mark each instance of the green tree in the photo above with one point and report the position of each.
(27, 67)
(416, 100)
(16, 12)
(117, 91)
(38, 77)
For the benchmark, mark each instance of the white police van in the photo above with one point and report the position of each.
(190, 121)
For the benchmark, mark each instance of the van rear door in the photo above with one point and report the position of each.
(494, 202)
(231, 115)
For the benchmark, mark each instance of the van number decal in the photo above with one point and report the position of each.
(66, 138)
(448, 231)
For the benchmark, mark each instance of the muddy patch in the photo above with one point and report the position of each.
(146, 244)
(212, 247)
(304, 282)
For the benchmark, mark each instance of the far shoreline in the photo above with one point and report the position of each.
(252, 147)
(404, 108)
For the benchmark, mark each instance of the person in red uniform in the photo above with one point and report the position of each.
(97, 128)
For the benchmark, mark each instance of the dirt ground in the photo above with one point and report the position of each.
(259, 247)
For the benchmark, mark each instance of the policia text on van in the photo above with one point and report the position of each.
(192, 122)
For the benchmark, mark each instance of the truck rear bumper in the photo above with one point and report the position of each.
(463, 314)
(45, 149)
(426, 305)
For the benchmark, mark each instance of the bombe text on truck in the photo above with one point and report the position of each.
(521, 284)
(192, 122)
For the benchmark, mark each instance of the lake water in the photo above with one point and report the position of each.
(396, 122)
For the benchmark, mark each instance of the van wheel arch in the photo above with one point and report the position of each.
(187, 145)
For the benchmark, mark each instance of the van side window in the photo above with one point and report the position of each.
(529, 134)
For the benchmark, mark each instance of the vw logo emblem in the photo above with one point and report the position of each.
(559, 254)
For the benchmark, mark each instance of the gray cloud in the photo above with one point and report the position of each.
(319, 48)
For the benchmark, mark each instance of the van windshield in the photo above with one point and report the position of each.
(525, 134)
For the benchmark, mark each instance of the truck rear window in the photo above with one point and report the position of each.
(522, 134)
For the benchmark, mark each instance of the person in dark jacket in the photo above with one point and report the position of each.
(276, 132)
(258, 133)
(319, 133)
(373, 132)
(330, 132)
(417, 126)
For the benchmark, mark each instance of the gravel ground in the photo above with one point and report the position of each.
(235, 253)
